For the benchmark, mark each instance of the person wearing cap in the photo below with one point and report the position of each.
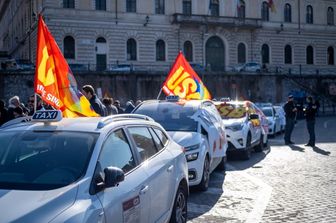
(310, 113)
(290, 111)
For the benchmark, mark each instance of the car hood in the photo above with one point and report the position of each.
(186, 139)
(233, 121)
(35, 206)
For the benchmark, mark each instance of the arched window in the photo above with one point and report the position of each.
(309, 15)
(131, 49)
(265, 53)
(160, 50)
(100, 4)
(130, 5)
(101, 40)
(288, 54)
(215, 54)
(330, 16)
(241, 53)
(186, 7)
(265, 11)
(241, 9)
(101, 54)
(214, 7)
(188, 50)
(331, 60)
(69, 4)
(159, 6)
(69, 47)
(310, 55)
(288, 13)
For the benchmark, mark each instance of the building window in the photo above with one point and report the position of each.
(69, 47)
(160, 50)
(265, 54)
(309, 15)
(188, 50)
(186, 7)
(265, 11)
(159, 6)
(69, 4)
(310, 55)
(130, 5)
(100, 4)
(331, 60)
(288, 54)
(214, 7)
(330, 16)
(241, 9)
(241, 53)
(131, 49)
(288, 13)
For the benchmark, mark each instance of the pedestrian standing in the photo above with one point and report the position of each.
(111, 109)
(118, 106)
(290, 111)
(97, 105)
(129, 106)
(310, 113)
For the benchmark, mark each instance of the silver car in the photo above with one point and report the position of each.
(122, 168)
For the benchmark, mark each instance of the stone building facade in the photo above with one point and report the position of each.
(147, 34)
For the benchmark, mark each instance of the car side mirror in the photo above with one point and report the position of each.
(113, 176)
(254, 116)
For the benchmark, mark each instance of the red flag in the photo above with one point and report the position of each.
(184, 82)
(54, 81)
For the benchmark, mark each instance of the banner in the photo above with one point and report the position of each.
(184, 82)
(54, 81)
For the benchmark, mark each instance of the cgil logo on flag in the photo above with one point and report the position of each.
(54, 81)
(184, 82)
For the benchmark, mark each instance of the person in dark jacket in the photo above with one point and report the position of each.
(310, 113)
(3, 112)
(118, 106)
(290, 111)
(97, 105)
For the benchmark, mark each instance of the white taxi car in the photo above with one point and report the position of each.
(243, 127)
(274, 121)
(197, 126)
(121, 168)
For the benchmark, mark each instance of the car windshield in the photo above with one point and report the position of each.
(37, 160)
(172, 116)
(267, 112)
(231, 111)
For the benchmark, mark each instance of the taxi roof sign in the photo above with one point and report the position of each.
(47, 116)
(172, 98)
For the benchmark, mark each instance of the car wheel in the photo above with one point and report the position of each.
(246, 153)
(179, 213)
(222, 165)
(260, 147)
(204, 184)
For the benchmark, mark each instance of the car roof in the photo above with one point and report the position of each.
(182, 102)
(81, 124)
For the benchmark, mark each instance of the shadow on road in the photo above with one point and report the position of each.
(252, 162)
(296, 148)
(203, 202)
(321, 151)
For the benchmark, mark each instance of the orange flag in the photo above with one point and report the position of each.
(54, 81)
(184, 82)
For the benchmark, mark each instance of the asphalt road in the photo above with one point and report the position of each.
(282, 184)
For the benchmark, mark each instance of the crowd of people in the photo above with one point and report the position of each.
(104, 107)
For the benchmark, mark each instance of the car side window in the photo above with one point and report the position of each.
(144, 142)
(163, 138)
(116, 151)
(156, 139)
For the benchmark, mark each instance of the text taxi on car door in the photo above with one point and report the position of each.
(121, 168)
(197, 126)
(243, 127)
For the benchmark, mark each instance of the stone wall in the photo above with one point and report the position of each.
(255, 87)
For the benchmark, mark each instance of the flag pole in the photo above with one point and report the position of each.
(159, 94)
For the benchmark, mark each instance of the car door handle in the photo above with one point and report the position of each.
(143, 190)
(170, 169)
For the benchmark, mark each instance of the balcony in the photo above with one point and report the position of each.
(230, 22)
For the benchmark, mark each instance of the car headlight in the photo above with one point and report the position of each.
(236, 127)
(192, 156)
(193, 147)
